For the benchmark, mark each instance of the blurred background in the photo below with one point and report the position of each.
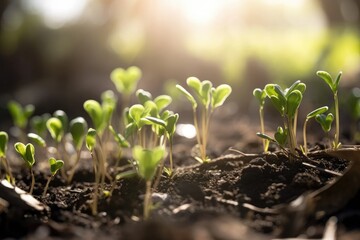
(56, 54)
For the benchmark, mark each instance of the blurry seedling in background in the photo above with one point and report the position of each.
(147, 161)
(4, 139)
(98, 163)
(334, 86)
(78, 130)
(260, 95)
(353, 104)
(36, 139)
(325, 121)
(20, 116)
(27, 153)
(209, 98)
(55, 165)
(38, 124)
(125, 81)
(312, 114)
(287, 102)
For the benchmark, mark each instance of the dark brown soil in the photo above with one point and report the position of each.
(232, 197)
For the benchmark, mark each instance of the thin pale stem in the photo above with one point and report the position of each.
(292, 141)
(73, 169)
(304, 136)
(8, 169)
(147, 200)
(262, 126)
(47, 186)
(32, 181)
(295, 123)
(171, 154)
(337, 121)
(196, 124)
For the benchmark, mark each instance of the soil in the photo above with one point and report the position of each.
(235, 196)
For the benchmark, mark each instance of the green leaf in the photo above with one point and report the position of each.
(4, 138)
(188, 96)
(125, 81)
(280, 136)
(260, 95)
(195, 84)
(162, 102)
(19, 114)
(27, 153)
(55, 127)
(37, 139)
(95, 111)
(277, 97)
(151, 109)
(119, 138)
(317, 111)
(55, 165)
(136, 113)
(220, 94)
(78, 130)
(328, 79)
(91, 139)
(171, 122)
(325, 121)
(157, 121)
(265, 136)
(143, 96)
(61, 115)
(148, 160)
(278, 104)
(337, 81)
(205, 93)
(293, 102)
(38, 124)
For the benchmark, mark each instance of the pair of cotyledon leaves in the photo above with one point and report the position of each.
(206, 93)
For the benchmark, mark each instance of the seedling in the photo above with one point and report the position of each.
(55, 127)
(20, 116)
(287, 103)
(280, 137)
(4, 139)
(147, 163)
(325, 121)
(334, 86)
(37, 139)
(312, 114)
(78, 130)
(125, 81)
(353, 104)
(27, 153)
(209, 99)
(260, 95)
(38, 124)
(99, 165)
(55, 165)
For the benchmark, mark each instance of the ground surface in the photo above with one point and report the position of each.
(233, 197)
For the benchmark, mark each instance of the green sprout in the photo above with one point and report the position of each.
(125, 81)
(312, 114)
(147, 163)
(98, 163)
(287, 103)
(209, 99)
(55, 127)
(353, 104)
(20, 116)
(38, 124)
(334, 86)
(325, 121)
(4, 139)
(280, 137)
(27, 153)
(78, 130)
(55, 165)
(260, 95)
(36, 139)
(61, 115)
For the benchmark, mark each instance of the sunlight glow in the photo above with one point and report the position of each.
(56, 13)
(186, 130)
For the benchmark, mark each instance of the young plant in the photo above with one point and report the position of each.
(147, 164)
(325, 121)
(27, 153)
(280, 137)
(125, 81)
(260, 95)
(78, 130)
(312, 114)
(37, 139)
(4, 139)
(55, 165)
(209, 99)
(353, 104)
(334, 86)
(38, 124)
(98, 163)
(287, 102)
(20, 116)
